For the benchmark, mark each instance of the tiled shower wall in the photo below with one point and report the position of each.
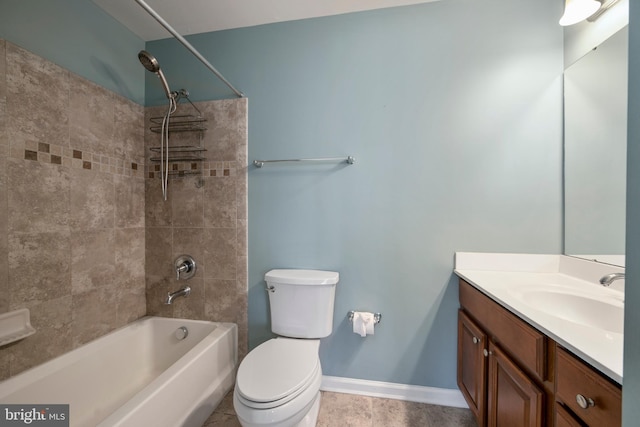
(72, 212)
(71, 207)
(205, 216)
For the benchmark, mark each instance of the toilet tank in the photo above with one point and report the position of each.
(301, 302)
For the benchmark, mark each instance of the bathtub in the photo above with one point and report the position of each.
(139, 375)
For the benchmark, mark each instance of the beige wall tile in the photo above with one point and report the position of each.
(220, 209)
(67, 280)
(224, 128)
(92, 260)
(157, 290)
(37, 98)
(159, 253)
(38, 267)
(3, 69)
(220, 253)
(38, 196)
(158, 212)
(129, 202)
(186, 203)
(91, 117)
(4, 250)
(94, 314)
(129, 129)
(131, 302)
(92, 199)
(129, 256)
(225, 300)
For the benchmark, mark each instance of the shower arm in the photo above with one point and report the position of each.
(188, 45)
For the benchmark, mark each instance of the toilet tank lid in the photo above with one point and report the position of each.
(302, 277)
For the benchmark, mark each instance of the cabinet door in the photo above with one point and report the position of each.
(513, 399)
(472, 368)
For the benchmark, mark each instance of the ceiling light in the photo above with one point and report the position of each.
(578, 10)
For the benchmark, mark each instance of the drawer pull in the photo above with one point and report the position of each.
(475, 340)
(585, 402)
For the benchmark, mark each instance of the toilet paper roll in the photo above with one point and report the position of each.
(363, 323)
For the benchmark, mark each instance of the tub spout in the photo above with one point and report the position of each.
(184, 292)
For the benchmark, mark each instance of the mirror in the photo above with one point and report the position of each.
(595, 146)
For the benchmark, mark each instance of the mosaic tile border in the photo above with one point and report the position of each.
(185, 169)
(69, 157)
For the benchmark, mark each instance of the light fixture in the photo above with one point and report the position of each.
(606, 5)
(578, 10)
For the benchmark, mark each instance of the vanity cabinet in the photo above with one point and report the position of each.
(513, 375)
(502, 364)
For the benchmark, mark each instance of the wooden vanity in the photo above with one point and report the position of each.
(513, 375)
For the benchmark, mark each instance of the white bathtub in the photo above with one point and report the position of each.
(139, 375)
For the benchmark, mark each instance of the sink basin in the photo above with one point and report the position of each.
(600, 311)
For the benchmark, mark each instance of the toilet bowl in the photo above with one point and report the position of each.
(278, 384)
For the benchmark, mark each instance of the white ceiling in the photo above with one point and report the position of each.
(201, 16)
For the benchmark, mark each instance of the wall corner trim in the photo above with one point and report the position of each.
(411, 393)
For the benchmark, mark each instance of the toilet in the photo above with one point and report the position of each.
(278, 382)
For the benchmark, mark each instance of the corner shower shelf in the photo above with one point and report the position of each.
(15, 325)
(180, 123)
(181, 153)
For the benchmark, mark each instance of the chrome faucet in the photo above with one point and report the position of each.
(606, 280)
(184, 292)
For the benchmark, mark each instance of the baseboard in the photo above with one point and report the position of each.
(412, 393)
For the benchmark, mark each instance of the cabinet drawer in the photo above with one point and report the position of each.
(575, 378)
(521, 341)
(564, 418)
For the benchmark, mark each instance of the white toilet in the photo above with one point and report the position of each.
(278, 382)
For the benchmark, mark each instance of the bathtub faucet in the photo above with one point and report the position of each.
(184, 292)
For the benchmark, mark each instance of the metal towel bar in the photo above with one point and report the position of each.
(349, 159)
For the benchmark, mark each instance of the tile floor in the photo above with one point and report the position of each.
(350, 410)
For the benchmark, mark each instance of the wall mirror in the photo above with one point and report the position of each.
(595, 146)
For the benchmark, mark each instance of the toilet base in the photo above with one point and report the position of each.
(311, 418)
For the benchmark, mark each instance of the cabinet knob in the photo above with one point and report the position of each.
(475, 340)
(486, 352)
(585, 402)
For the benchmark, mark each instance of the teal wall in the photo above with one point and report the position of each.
(79, 36)
(630, 408)
(453, 111)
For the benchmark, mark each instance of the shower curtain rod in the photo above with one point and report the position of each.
(188, 45)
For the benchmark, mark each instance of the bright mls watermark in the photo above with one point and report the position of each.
(34, 415)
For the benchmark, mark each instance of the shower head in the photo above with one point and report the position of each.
(149, 62)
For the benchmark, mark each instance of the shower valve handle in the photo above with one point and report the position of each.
(185, 267)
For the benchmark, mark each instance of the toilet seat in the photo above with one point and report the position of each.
(277, 371)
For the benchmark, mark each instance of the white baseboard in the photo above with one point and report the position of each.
(412, 393)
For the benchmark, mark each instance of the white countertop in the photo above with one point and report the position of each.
(506, 278)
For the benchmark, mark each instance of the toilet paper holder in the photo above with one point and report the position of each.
(377, 317)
